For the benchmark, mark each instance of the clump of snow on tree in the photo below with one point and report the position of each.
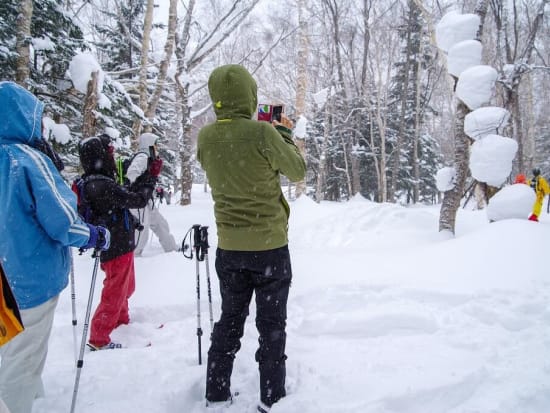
(59, 132)
(104, 102)
(445, 179)
(43, 43)
(485, 121)
(476, 85)
(512, 201)
(454, 28)
(491, 159)
(112, 132)
(80, 71)
(321, 97)
(464, 55)
(300, 129)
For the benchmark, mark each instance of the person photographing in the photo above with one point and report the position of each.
(149, 217)
(244, 159)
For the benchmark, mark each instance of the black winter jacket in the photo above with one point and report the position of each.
(110, 204)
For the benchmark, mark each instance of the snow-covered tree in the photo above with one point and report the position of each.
(54, 40)
(412, 84)
(452, 30)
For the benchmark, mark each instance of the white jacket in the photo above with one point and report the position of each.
(150, 216)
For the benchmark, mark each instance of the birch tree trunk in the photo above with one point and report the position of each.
(221, 29)
(451, 200)
(23, 41)
(347, 168)
(142, 81)
(149, 104)
(165, 63)
(301, 81)
(381, 69)
(377, 166)
(182, 90)
(90, 106)
(383, 179)
(186, 146)
(529, 152)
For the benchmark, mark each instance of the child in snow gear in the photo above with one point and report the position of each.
(541, 188)
(150, 216)
(109, 204)
(42, 212)
(243, 160)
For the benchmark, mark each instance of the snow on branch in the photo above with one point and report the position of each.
(491, 159)
(476, 85)
(485, 121)
(80, 72)
(464, 55)
(454, 28)
(445, 179)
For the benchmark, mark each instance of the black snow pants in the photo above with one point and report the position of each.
(241, 273)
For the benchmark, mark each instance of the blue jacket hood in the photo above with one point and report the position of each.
(21, 115)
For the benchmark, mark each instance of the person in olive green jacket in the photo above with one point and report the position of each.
(243, 159)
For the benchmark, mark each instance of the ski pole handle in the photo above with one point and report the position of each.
(197, 241)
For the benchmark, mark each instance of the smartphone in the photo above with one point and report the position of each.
(269, 113)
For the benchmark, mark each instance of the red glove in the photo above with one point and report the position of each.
(155, 167)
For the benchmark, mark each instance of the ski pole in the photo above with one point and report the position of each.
(205, 246)
(80, 361)
(196, 245)
(73, 305)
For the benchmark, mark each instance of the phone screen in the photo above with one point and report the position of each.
(277, 112)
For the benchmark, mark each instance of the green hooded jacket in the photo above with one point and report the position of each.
(243, 159)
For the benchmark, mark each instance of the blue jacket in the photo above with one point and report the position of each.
(38, 218)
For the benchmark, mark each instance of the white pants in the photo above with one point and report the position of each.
(151, 218)
(23, 359)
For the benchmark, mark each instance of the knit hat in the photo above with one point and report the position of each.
(96, 155)
(147, 140)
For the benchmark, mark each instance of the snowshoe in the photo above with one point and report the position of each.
(263, 408)
(110, 346)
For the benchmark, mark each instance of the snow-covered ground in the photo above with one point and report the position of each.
(385, 315)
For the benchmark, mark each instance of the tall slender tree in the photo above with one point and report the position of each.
(192, 49)
(451, 200)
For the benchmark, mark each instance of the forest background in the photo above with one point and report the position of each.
(363, 79)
